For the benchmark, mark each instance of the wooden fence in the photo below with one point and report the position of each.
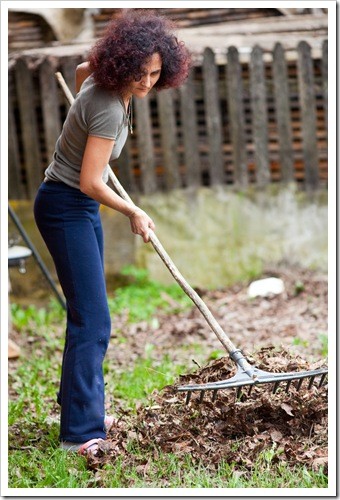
(239, 123)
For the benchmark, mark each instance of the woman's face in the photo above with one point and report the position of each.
(150, 74)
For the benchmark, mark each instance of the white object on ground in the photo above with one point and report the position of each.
(18, 252)
(265, 287)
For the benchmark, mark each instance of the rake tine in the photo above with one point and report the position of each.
(288, 385)
(214, 395)
(299, 384)
(201, 396)
(322, 379)
(276, 385)
(311, 383)
(187, 400)
(243, 382)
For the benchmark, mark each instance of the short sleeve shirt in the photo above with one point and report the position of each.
(97, 112)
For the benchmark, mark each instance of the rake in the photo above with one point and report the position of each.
(246, 375)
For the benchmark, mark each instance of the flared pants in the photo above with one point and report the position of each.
(70, 225)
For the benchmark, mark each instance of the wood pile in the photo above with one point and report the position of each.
(27, 31)
(197, 27)
(190, 17)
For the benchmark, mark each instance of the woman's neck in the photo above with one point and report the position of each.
(126, 97)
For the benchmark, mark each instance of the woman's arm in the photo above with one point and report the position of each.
(82, 72)
(96, 156)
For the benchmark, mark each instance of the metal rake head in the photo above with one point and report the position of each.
(253, 376)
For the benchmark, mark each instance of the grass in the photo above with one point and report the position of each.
(323, 338)
(322, 344)
(146, 375)
(34, 459)
(131, 299)
(170, 472)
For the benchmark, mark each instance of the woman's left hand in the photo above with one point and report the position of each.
(141, 223)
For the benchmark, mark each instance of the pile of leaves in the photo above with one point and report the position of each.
(290, 426)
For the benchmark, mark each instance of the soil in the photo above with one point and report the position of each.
(295, 318)
(277, 333)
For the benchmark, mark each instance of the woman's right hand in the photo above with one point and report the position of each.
(141, 223)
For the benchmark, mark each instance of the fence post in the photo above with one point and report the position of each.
(29, 127)
(125, 173)
(281, 92)
(190, 134)
(213, 117)
(308, 115)
(50, 106)
(165, 101)
(145, 145)
(68, 69)
(259, 116)
(324, 70)
(236, 117)
(15, 186)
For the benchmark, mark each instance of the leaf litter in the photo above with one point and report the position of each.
(289, 428)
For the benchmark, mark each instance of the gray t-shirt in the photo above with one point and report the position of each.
(95, 112)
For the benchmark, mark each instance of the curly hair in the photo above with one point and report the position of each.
(128, 43)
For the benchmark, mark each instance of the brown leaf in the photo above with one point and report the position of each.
(319, 462)
(288, 409)
(276, 435)
(183, 446)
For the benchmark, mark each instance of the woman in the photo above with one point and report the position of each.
(137, 53)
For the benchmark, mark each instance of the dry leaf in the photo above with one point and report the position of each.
(276, 436)
(319, 462)
(288, 409)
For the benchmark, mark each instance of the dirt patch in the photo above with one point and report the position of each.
(296, 318)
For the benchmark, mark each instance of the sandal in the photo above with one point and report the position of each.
(88, 448)
(91, 446)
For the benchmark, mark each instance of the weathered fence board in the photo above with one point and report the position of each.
(259, 116)
(68, 69)
(236, 117)
(145, 146)
(324, 70)
(282, 105)
(29, 127)
(50, 106)
(213, 118)
(190, 134)
(125, 173)
(15, 185)
(308, 115)
(166, 112)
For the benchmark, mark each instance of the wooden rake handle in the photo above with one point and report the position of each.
(212, 322)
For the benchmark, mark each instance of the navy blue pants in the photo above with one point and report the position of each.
(70, 225)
